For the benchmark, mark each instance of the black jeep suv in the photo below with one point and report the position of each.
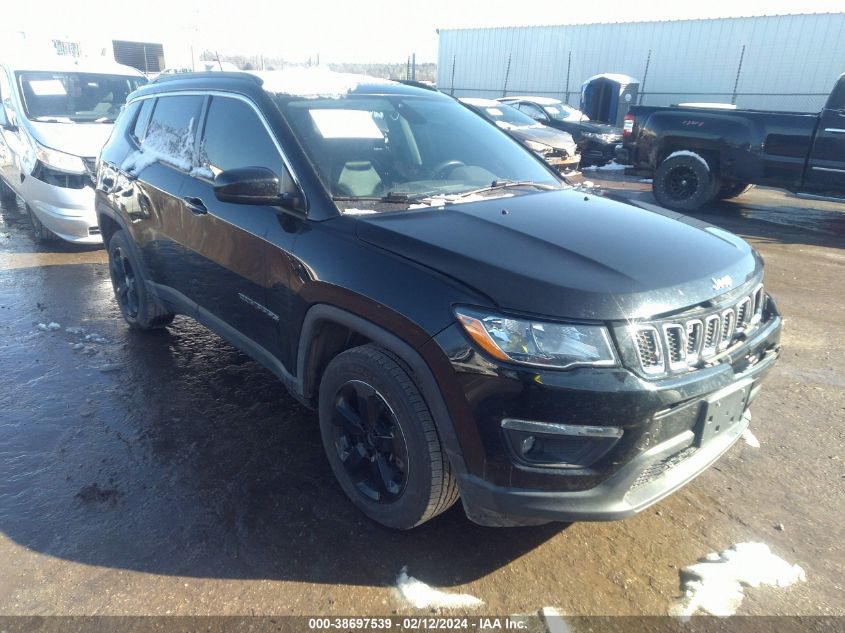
(467, 325)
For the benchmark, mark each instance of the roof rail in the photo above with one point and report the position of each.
(416, 84)
(209, 75)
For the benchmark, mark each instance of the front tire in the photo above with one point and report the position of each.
(139, 308)
(684, 182)
(41, 232)
(6, 193)
(381, 441)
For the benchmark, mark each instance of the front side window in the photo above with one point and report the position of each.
(61, 97)
(391, 145)
(235, 136)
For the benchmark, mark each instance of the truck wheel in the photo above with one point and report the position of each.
(684, 182)
(42, 233)
(380, 440)
(733, 190)
(141, 310)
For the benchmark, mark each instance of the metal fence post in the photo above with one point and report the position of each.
(738, 71)
(452, 87)
(568, 72)
(645, 74)
(507, 72)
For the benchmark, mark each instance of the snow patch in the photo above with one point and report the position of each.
(611, 166)
(313, 82)
(685, 152)
(52, 326)
(750, 438)
(714, 585)
(554, 620)
(423, 596)
(74, 330)
(166, 144)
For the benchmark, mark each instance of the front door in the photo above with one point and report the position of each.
(229, 241)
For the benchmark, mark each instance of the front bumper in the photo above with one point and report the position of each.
(69, 213)
(662, 447)
(596, 151)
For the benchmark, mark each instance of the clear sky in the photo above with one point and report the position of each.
(346, 30)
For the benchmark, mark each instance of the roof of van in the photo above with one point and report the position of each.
(65, 63)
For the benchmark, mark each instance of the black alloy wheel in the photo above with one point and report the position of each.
(125, 282)
(369, 442)
(681, 183)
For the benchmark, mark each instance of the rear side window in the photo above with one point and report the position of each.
(235, 136)
(172, 129)
(139, 130)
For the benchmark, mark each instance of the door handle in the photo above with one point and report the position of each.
(196, 205)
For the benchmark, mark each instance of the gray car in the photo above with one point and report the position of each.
(555, 147)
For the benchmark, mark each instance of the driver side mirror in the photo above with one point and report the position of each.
(253, 185)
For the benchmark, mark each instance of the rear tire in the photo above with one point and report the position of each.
(42, 233)
(141, 310)
(728, 191)
(381, 441)
(684, 182)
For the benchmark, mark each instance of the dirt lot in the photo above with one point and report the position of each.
(169, 474)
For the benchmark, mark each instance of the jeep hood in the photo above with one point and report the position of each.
(567, 254)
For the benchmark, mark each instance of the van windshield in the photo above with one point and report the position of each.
(69, 97)
(398, 146)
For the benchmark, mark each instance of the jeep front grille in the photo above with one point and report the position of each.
(679, 344)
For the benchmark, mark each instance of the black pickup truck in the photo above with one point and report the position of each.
(697, 154)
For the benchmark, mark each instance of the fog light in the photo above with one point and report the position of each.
(527, 445)
(559, 445)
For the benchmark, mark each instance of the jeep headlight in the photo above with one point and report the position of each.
(59, 160)
(538, 343)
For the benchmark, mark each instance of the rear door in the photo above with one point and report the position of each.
(153, 175)
(229, 246)
(826, 166)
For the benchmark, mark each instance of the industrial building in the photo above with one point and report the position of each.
(779, 62)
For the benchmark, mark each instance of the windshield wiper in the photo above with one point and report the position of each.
(506, 184)
(391, 196)
(53, 119)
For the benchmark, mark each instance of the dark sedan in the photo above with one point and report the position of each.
(555, 147)
(596, 141)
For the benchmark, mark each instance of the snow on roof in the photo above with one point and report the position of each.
(65, 63)
(617, 77)
(480, 102)
(314, 81)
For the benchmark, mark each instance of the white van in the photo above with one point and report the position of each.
(56, 114)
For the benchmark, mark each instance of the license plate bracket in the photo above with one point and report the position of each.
(722, 411)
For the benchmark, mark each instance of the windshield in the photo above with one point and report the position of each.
(371, 147)
(563, 112)
(75, 97)
(507, 114)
